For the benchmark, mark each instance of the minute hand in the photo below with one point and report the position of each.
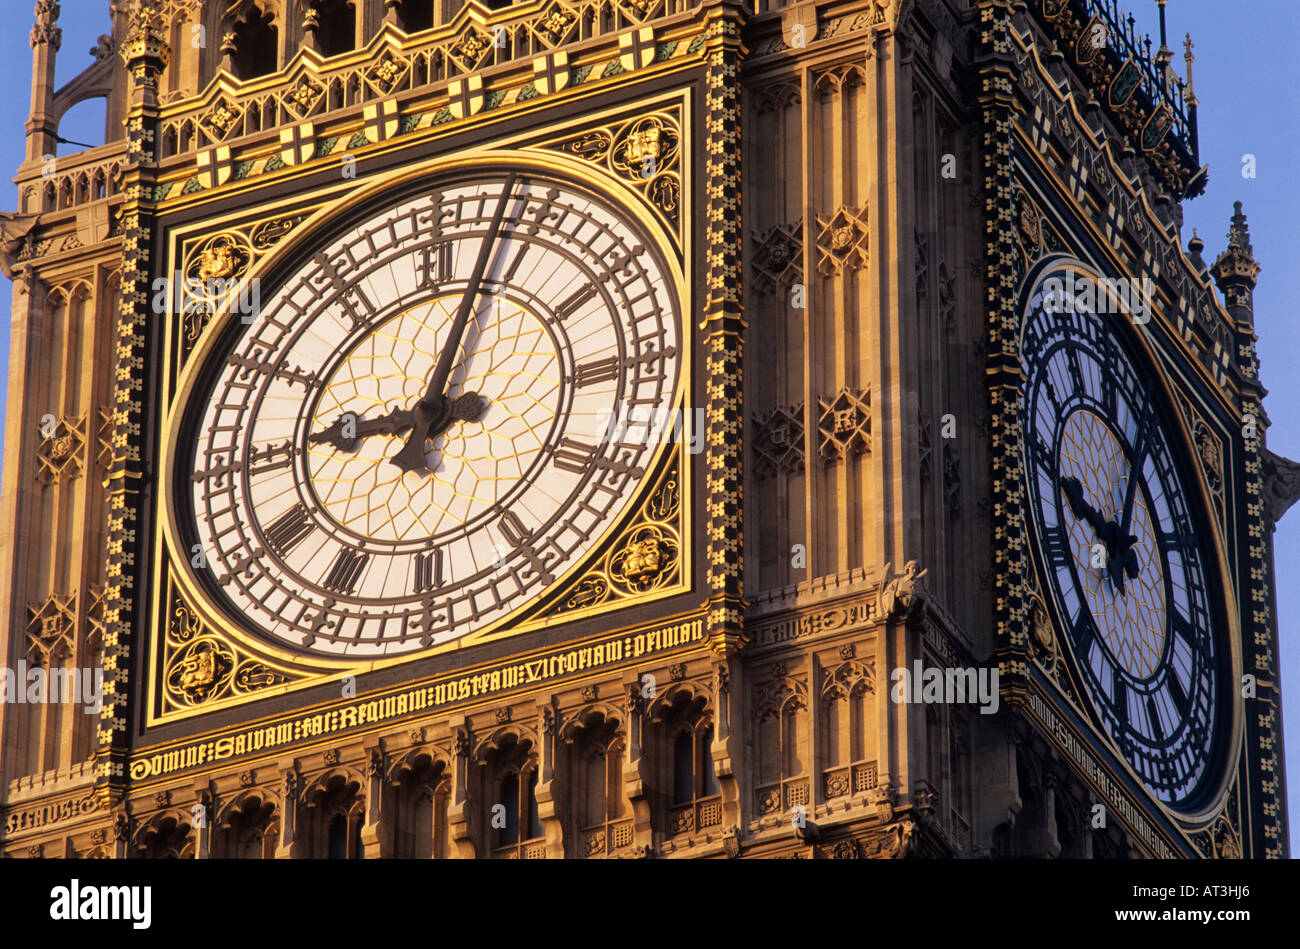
(1135, 468)
(430, 414)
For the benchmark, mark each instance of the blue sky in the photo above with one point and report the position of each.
(1245, 109)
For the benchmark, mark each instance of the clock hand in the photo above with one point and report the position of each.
(394, 423)
(432, 414)
(1125, 558)
(467, 407)
(1107, 532)
(1084, 511)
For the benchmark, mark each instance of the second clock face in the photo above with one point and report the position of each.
(1120, 542)
(314, 527)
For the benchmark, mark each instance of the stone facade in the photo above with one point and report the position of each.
(868, 182)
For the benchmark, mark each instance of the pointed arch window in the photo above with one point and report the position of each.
(510, 813)
(686, 786)
(336, 31)
(257, 44)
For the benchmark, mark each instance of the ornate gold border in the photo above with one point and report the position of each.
(329, 670)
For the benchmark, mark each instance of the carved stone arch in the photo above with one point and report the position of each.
(502, 738)
(668, 700)
(847, 679)
(506, 774)
(248, 825)
(686, 793)
(66, 292)
(779, 696)
(413, 760)
(778, 95)
(597, 813)
(832, 80)
(335, 806)
(94, 83)
(416, 802)
(240, 16)
(327, 781)
(1070, 818)
(167, 834)
(586, 717)
(1030, 828)
(243, 799)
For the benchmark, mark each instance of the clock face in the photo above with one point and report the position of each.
(1120, 541)
(406, 443)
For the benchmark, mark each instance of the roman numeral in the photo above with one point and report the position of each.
(1084, 634)
(512, 528)
(1176, 693)
(271, 457)
(1156, 729)
(342, 288)
(435, 264)
(1119, 697)
(1058, 546)
(573, 455)
(1195, 639)
(513, 269)
(594, 372)
(345, 573)
(282, 371)
(1076, 371)
(1042, 454)
(289, 529)
(574, 301)
(428, 570)
(1178, 542)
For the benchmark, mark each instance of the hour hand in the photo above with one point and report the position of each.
(429, 420)
(346, 431)
(467, 407)
(1082, 509)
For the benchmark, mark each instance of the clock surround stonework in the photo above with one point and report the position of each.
(847, 202)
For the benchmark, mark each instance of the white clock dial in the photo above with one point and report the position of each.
(316, 532)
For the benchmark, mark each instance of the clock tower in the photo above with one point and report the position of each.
(632, 428)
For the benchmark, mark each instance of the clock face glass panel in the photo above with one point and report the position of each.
(1122, 548)
(312, 535)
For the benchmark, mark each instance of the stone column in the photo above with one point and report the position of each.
(46, 37)
(287, 847)
(372, 846)
(635, 769)
(459, 823)
(547, 808)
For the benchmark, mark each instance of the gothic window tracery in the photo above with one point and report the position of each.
(249, 830)
(420, 796)
(600, 821)
(334, 818)
(687, 788)
(509, 804)
(847, 736)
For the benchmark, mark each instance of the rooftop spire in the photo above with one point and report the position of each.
(1235, 269)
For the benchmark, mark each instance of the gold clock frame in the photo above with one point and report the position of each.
(170, 564)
